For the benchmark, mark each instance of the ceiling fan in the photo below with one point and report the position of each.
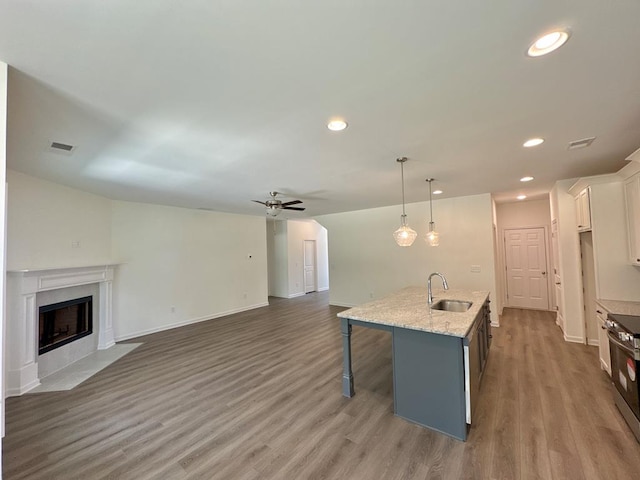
(274, 206)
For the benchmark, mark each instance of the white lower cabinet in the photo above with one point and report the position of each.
(605, 353)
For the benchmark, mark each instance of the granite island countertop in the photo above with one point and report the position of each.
(620, 306)
(408, 308)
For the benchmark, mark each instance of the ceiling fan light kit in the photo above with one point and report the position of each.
(273, 211)
(275, 206)
(405, 235)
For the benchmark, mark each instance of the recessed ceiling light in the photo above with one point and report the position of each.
(336, 125)
(526, 179)
(437, 192)
(548, 43)
(533, 142)
(521, 197)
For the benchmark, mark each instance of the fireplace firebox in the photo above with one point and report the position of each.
(62, 323)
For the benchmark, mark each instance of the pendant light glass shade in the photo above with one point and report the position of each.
(432, 237)
(405, 235)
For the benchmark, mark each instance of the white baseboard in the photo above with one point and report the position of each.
(572, 339)
(593, 342)
(339, 304)
(188, 322)
(294, 295)
(21, 381)
(323, 289)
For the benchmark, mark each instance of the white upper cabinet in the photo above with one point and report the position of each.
(583, 210)
(632, 204)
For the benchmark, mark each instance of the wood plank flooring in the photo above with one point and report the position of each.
(257, 395)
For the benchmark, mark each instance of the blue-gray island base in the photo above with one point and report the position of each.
(438, 357)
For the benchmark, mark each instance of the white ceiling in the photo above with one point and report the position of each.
(211, 104)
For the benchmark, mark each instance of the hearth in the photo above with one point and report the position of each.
(62, 323)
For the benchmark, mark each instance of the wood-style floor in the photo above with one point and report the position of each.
(257, 395)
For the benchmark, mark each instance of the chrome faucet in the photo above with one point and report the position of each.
(444, 284)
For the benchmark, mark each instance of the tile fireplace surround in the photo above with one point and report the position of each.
(22, 316)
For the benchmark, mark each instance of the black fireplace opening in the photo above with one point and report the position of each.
(62, 323)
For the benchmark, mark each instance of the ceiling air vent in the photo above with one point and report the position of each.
(585, 142)
(61, 147)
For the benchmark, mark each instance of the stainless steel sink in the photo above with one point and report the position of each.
(452, 305)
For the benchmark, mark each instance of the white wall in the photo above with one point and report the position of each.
(564, 211)
(523, 214)
(3, 209)
(366, 263)
(285, 245)
(322, 246)
(531, 213)
(297, 233)
(278, 265)
(498, 304)
(616, 278)
(182, 266)
(192, 260)
(45, 219)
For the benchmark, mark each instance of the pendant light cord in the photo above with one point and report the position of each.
(430, 201)
(402, 176)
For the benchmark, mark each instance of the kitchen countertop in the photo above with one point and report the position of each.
(408, 308)
(620, 306)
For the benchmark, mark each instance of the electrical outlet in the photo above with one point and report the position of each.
(371, 295)
(475, 268)
(75, 244)
(245, 295)
(173, 309)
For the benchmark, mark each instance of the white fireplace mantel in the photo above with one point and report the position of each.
(22, 316)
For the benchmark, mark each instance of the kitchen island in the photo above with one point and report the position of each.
(438, 356)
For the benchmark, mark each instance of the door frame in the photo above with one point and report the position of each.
(503, 258)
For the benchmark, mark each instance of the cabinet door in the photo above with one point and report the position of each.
(632, 203)
(487, 324)
(583, 210)
(585, 198)
(605, 353)
(579, 213)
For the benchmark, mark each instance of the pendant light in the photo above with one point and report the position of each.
(404, 235)
(432, 236)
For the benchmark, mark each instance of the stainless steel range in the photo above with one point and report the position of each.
(624, 342)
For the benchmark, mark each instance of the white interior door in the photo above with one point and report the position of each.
(526, 263)
(309, 266)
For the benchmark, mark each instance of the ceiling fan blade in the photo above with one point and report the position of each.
(292, 202)
(258, 201)
(294, 208)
